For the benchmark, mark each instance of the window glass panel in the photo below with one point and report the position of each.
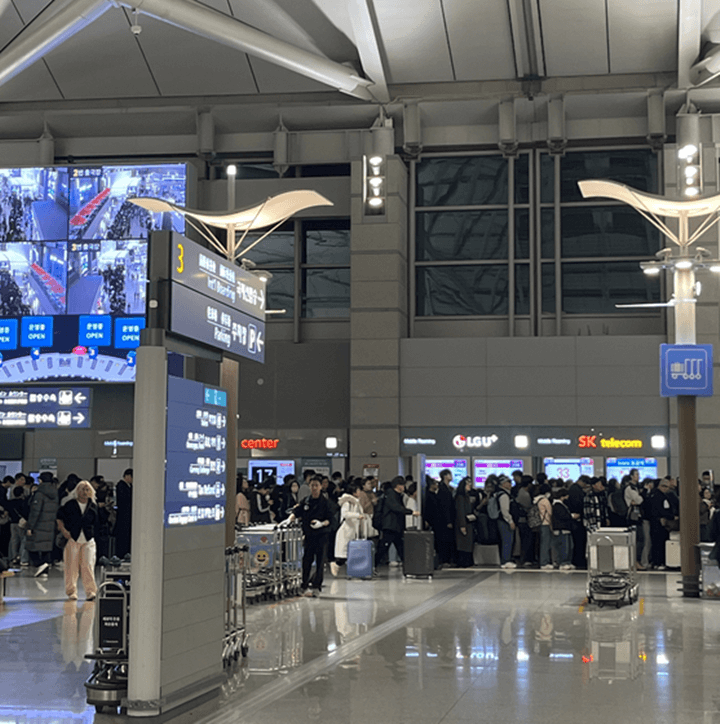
(607, 231)
(548, 288)
(256, 170)
(547, 232)
(326, 293)
(522, 179)
(595, 288)
(324, 170)
(327, 242)
(470, 235)
(462, 181)
(547, 178)
(278, 248)
(522, 289)
(637, 168)
(281, 293)
(522, 234)
(462, 290)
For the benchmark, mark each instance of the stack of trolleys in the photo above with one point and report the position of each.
(264, 573)
(235, 637)
(107, 685)
(292, 551)
(612, 574)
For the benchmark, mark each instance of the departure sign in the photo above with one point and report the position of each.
(204, 271)
(45, 407)
(196, 442)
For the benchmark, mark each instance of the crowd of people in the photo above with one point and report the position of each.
(48, 524)
(534, 521)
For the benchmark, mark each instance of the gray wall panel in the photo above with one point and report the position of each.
(609, 410)
(178, 564)
(524, 352)
(443, 411)
(619, 380)
(199, 609)
(170, 688)
(450, 352)
(519, 382)
(192, 667)
(198, 585)
(558, 411)
(427, 382)
(627, 351)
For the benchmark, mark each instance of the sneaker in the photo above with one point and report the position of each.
(91, 597)
(660, 568)
(72, 597)
(509, 565)
(334, 568)
(308, 593)
(566, 567)
(315, 593)
(394, 564)
(41, 569)
(528, 564)
(24, 565)
(547, 567)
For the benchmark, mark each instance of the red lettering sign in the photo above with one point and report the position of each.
(262, 444)
(586, 441)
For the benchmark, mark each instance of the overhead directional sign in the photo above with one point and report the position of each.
(216, 324)
(45, 407)
(686, 369)
(203, 270)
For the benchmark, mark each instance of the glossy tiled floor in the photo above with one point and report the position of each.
(468, 646)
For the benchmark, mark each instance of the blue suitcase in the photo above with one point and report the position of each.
(360, 559)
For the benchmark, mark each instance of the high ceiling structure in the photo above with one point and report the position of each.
(68, 62)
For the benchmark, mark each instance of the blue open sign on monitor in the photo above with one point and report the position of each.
(686, 369)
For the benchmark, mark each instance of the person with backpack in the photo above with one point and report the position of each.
(499, 510)
(633, 499)
(617, 509)
(562, 525)
(524, 501)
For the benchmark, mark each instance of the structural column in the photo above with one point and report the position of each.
(378, 320)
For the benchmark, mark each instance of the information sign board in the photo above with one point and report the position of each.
(686, 369)
(45, 407)
(196, 442)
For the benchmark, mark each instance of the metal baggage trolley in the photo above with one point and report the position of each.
(612, 574)
(107, 685)
(235, 637)
(264, 577)
(292, 550)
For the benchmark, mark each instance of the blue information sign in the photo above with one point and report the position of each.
(196, 442)
(36, 331)
(45, 407)
(127, 332)
(686, 369)
(8, 333)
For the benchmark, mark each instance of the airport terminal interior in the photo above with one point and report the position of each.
(368, 238)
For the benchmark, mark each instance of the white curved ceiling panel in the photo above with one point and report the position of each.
(480, 39)
(413, 35)
(574, 37)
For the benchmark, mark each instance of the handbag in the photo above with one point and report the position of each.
(60, 541)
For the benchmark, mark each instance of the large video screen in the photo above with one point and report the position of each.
(489, 466)
(569, 468)
(73, 268)
(617, 467)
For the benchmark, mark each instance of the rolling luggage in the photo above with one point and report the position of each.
(672, 551)
(360, 559)
(419, 553)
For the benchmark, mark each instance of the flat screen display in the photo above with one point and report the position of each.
(73, 268)
(259, 470)
(484, 467)
(617, 467)
(458, 467)
(568, 468)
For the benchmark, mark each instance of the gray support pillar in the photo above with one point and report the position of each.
(147, 533)
(378, 320)
(230, 381)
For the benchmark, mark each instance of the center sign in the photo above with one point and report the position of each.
(216, 302)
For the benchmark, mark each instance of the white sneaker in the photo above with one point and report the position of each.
(334, 568)
(548, 567)
(394, 564)
(41, 569)
(509, 565)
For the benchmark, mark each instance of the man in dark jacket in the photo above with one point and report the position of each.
(40, 529)
(123, 521)
(660, 515)
(575, 506)
(19, 509)
(445, 533)
(315, 514)
(393, 520)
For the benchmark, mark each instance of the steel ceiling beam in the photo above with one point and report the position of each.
(37, 40)
(367, 40)
(216, 26)
(690, 73)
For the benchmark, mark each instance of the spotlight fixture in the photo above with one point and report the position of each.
(374, 184)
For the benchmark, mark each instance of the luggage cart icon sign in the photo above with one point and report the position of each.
(686, 370)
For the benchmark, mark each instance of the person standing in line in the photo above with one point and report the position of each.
(706, 513)
(542, 500)
(393, 520)
(506, 524)
(661, 517)
(40, 529)
(242, 503)
(524, 501)
(595, 510)
(352, 526)
(445, 533)
(633, 503)
(563, 524)
(464, 524)
(18, 510)
(78, 520)
(315, 514)
(123, 521)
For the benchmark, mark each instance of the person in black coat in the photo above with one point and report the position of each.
(445, 534)
(123, 520)
(78, 521)
(393, 520)
(661, 515)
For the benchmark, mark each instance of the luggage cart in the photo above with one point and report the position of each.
(292, 552)
(264, 577)
(235, 637)
(107, 685)
(612, 574)
(709, 571)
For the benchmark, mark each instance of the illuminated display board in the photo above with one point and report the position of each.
(259, 470)
(45, 407)
(483, 468)
(73, 268)
(458, 468)
(617, 467)
(196, 442)
(569, 468)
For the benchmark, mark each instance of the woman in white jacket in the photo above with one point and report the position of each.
(352, 522)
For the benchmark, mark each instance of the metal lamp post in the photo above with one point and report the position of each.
(684, 262)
